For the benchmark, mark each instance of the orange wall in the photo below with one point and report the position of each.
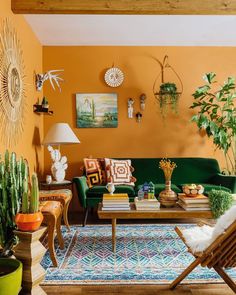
(84, 69)
(28, 146)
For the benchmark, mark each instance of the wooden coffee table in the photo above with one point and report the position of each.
(163, 213)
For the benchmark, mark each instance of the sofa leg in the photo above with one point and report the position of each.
(85, 216)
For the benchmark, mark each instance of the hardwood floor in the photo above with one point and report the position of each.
(199, 289)
(219, 289)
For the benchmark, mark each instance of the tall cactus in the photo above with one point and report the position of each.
(12, 175)
(34, 196)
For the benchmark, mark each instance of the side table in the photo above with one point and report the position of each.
(58, 191)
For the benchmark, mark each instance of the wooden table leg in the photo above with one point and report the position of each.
(114, 235)
(65, 214)
(59, 235)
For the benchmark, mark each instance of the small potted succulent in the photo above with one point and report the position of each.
(30, 218)
(220, 201)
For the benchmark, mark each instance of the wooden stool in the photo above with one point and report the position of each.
(52, 212)
(63, 196)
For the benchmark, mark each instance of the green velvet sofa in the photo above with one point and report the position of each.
(203, 171)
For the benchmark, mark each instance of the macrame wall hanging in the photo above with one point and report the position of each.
(166, 92)
(12, 86)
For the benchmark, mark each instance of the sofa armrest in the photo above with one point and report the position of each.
(228, 181)
(81, 188)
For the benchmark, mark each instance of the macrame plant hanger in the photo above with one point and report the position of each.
(168, 95)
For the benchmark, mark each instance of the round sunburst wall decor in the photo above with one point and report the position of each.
(12, 86)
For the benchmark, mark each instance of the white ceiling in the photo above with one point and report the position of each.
(134, 30)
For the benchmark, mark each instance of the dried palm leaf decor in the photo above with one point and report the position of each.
(12, 86)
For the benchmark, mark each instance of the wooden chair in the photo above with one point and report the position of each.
(220, 254)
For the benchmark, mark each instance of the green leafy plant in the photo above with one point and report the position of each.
(168, 96)
(220, 201)
(217, 116)
(12, 176)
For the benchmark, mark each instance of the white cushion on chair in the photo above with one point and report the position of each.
(200, 237)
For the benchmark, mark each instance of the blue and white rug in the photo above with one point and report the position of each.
(145, 254)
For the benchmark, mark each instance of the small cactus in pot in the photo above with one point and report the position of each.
(30, 218)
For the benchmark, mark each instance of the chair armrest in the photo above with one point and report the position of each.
(81, 188)
(228, 181)
(204, 222)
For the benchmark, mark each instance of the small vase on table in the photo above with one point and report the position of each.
(168, 197)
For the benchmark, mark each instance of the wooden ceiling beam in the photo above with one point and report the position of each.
(161, 7)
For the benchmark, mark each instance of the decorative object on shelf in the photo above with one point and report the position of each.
(51, 76)
(142, 101)
(167, 95)
(45, 104)
(216, 116)
(130, 108)
(114, 77)
(96, 110)
(168, 197)
(30, 218)
(59, 134)
(38, 109)
(12, 85)
(138, 117)
(220, 201)
(12, 174)
(111, 188)
(151, 190)
(191, 190)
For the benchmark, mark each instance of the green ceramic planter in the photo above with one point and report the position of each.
(11, 282)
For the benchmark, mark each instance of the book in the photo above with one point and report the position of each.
(193, 208)
(115, 209)
(115, 205)
(196, 199)
(195, 205)
(146, 204)
(115, 196)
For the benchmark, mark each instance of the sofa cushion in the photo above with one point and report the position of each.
(93, 171)
(159, 187)
(119, 171)
(99, 190)
(208, 187)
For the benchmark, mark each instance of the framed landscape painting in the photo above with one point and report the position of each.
(96, 110)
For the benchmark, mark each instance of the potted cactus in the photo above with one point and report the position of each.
(30, 218)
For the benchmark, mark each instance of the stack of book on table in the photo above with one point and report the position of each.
(146, 204)
(115, 202)
(196, 203)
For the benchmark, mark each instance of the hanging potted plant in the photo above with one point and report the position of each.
(30, 218)
(168, 94)
(217, 116)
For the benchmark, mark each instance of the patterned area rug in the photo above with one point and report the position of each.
(145, 254)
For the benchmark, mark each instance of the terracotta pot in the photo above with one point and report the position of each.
(29, 222)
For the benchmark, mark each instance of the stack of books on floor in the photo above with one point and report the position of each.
(146, 204)
(197, 203)
(115, 202)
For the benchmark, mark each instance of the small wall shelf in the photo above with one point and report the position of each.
(39, 109)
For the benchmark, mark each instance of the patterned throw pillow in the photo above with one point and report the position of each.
(92, 171)
(119, 171)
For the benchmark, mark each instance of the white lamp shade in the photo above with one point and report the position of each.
(60, 133)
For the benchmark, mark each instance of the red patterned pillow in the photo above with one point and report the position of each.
(92, 171)
(119, 171)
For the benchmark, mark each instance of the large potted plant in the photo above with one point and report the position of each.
(217, 116)
(12, 173)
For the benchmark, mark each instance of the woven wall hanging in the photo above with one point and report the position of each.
(12, 86)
